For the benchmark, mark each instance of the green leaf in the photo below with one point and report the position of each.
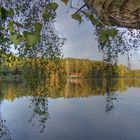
(65, 1)
(94, 21)
(3, 13)
(52, 6)
(16, 38)
(11, 27)
(103, 36)
(2, 28)
(38, 27)
(106, 33)
(77, 17)
(46, 15)
(32, 39)
(112, 32)
(11, 12)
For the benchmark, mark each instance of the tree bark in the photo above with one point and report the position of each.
(122, 13)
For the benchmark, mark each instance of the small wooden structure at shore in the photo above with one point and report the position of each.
(74, 75)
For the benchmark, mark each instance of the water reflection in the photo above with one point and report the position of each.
(73, 88)
(39, 107)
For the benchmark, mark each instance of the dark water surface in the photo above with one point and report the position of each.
(79, 112)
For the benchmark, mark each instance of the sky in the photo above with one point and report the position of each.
(81, 41)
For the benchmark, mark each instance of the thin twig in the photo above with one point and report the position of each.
(81, 8)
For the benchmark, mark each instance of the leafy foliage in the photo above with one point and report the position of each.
(94, 20)
(77, 16)
(4, 13)
(49, 11)
(105, 34)
(32, 34)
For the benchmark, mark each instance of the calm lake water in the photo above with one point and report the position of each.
(80, 110)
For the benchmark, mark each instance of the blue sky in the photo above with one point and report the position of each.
(80, 39)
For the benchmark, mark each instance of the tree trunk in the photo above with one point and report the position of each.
(122, 13)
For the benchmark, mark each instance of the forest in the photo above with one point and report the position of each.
(65, 68)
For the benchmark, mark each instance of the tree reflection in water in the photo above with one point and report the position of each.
(36, 77)
(4, 132)
(111, 96)
(39, 106)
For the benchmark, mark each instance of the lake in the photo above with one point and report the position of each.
(78, 110)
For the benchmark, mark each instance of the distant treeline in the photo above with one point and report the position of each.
(68, 67)
(96, 69)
